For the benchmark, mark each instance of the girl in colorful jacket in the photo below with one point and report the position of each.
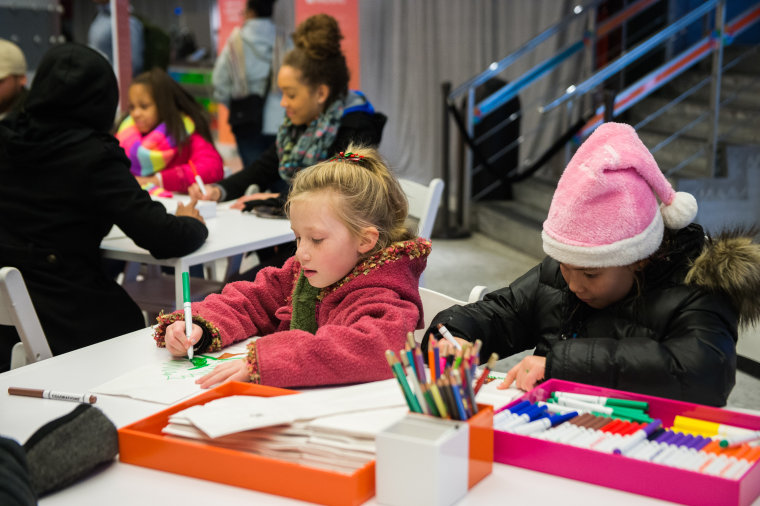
(632, 295)
(166, 135)
(328, 315)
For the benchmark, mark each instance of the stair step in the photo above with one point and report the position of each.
(737, 89)
(674, 153)
(512, 223)
(736, 125)
(534, 192)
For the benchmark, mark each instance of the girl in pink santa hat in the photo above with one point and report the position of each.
(632, 294)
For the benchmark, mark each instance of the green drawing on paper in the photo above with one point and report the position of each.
(199, 362)
(181, 368)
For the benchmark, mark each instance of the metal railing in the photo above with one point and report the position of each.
(571, 110)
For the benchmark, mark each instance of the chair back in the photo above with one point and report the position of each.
(434, 302)
(423, 203)
(16, 309)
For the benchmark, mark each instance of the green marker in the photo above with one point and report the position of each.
(632, 414)
(411, 399)
(188, 312)
(604, 401)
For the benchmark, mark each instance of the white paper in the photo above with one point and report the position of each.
(489, 394)
(171, 381)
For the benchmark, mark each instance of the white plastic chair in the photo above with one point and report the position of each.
(16, 309)
(423, 206)
(434, 302)
(423, 203)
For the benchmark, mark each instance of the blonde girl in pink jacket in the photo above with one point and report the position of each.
(328, 315)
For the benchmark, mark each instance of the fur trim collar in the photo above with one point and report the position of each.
(730, 262)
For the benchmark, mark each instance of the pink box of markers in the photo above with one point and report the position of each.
(625, 473)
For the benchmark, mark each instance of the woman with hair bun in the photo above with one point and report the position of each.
(322, 117)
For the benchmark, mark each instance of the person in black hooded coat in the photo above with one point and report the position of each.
(64, 182)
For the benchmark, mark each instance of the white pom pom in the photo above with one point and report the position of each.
(680, 212)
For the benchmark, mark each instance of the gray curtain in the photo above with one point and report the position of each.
(409, 47)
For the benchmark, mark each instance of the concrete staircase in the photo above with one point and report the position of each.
(517, 223)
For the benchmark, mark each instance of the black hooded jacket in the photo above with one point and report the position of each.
(64, 182)
(672, 339)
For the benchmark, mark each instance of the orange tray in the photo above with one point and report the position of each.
(142, 443)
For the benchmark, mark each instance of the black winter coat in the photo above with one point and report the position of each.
(64, 182)
(671, 340)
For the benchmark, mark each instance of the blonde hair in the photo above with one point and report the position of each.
(367, 194)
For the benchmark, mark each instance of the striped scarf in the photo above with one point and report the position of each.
(298, 148)
(152, 152)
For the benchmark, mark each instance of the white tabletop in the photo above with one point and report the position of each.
(230, 232)
(125, 484)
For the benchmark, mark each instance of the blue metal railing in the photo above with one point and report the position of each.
(573, 96)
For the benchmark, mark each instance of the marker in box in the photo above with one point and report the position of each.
(618, 412)
(604, 401)
(637, 437)
(543, 423)
(533, 412)
(707, 428)
(729, 442)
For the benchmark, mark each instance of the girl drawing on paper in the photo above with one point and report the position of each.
(632, 294)
(166, 135)
(328, 315)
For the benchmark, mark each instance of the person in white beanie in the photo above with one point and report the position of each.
(12, 77)
(632, 294)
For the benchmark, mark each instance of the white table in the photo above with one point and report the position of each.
(231, 232)
(125, 484)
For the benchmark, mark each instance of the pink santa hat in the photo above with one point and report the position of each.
(604, 212)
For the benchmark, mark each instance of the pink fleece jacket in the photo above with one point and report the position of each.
(359, 318)
(178, 175)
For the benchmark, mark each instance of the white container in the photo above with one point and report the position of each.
(207, 208)
(422, 460)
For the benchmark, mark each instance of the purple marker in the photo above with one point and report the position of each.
(637, 437)
(682, 451)
(673, 445)
(659, 445)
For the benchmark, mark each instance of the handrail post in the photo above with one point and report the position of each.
(717, 72)
(609, 105)
(445, 159)
(466, 190)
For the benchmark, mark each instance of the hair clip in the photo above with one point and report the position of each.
(351, 157)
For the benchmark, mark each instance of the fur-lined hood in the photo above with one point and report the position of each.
(730, 262)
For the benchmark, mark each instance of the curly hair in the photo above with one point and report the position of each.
(318, 55)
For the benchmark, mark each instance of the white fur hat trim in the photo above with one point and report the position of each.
(623, 252)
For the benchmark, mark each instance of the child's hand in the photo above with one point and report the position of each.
(189, 210)
(526, 374)
(240, 203)
(176, 341)
(446, 348)
(234, 370)
(212, 192)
